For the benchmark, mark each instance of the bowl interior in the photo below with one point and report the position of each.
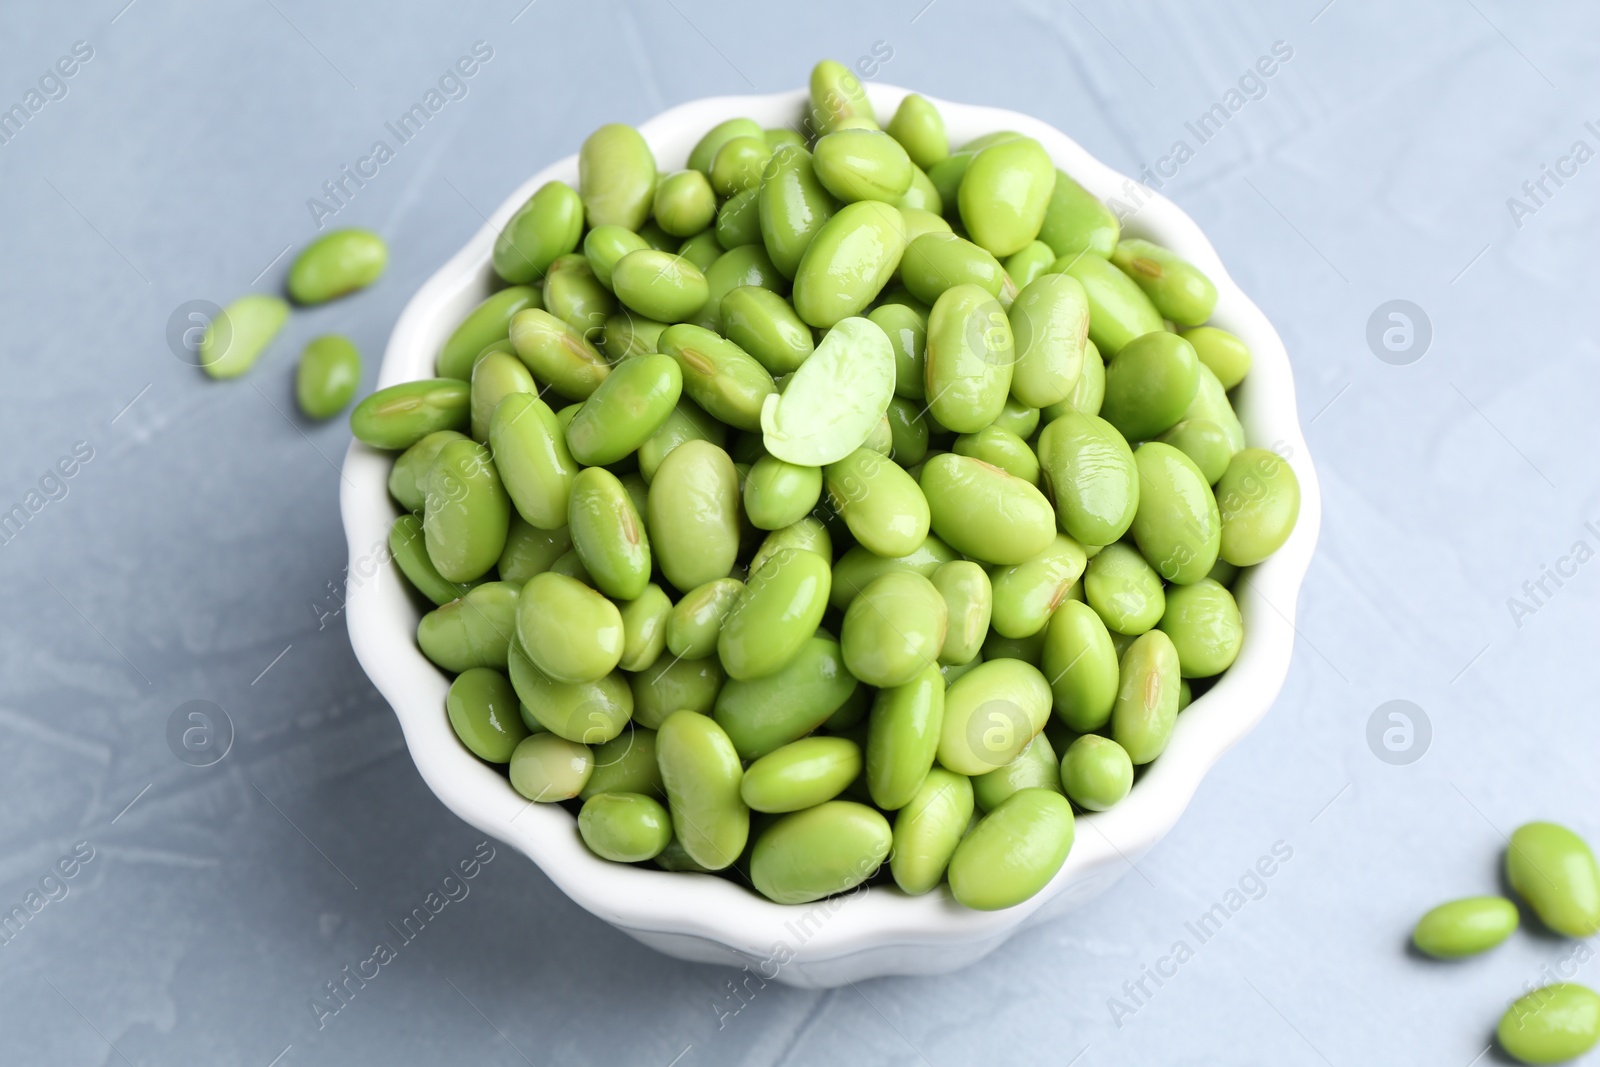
(383, 616)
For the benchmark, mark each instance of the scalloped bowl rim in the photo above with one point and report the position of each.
(709, 918)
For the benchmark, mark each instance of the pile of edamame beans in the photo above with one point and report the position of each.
(842, 500)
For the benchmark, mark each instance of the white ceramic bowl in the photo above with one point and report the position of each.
(875, 931)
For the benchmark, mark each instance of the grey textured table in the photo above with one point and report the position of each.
(195, 552)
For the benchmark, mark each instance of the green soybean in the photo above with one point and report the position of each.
(693, 514)
(485, 324)
(1005, 193)
(848, 262)
(616, 177)
(1081, 663)
(644, 628)
(1035, 767)
(970, 353)
(903, 738)
(919, 128)
(530, 452)
(719, 375)
(779, 494)
(1259, 501)
(671, 684)
(1226, 355)
(1175, 286)
(467, 512)
(608, 534)
(793, 206)
(328, 376)
(1026, 594)
(894, 629)
(763, 714)
(604, 246)
(815, 853)
(1150, 385)
(660, 286)
(837, 98)
(1118, 309)
(1553, 869)
(1096, 772)
(1124, 590)
(812, 422)
(1013, 852)
(588, 712)
(1076, 222)
(861, 164)
(544, 228)
(777, 612)
(401, 415)
(626, 764)
(1553, 1024)
(337, 263)
(744, 265)
(1049, 322)
(474, 631)
(1465, 927)
(807, 535)
(739, 220)
(1203, 621)
(1000, 448)
(1147, 697)
(406, 546)
(234, 340)
(928, 829)
(702, 776)
(936, 261)
(696, 620)
(482, 708)
(1030, 264)
(684, 203)
(969, 604)
(1093, 480)
(1177, 525)
(963, 496)
(1204, 442)
(801, 774)
(570, 632)
(882, 504)
(495, 376)
(907, 329)
(990, 714)
(557, 354)
(763, 324)
(705, 150)
(739, 164)
(548, 768)
(574, 294)
(627, 409)
(624, 827)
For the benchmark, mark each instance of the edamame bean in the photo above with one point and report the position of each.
(1552, 869)
(894, 629)
(1050, 323)
(1150, 385)
(627, 409)
(474, 631)
(763, 324)
(903, 737)
(573, 294)
(1175, 286)
(1177, 526)
(1124, 590)
(838, 97)
(964, 494)
(928, 829)
(660, 286)
(936, 261)
(548, 768)
(1000, 448)
(1225, 354)
(991, 713)
(705, 150)
(483, 711)
(644, 628)
(1096, 772)
(1030, 264)
(697, 619)
(969, 359)
(495, 376)
(686, 422)
(739, 164)
(703, 249)
(779, 494)
(1035, 767)
(485, 324)
(558, 354)
(1204, 442)
(862, 165)
(793, 206)
(1076, 222)
(1203, 622)
(907, 329)
(410, 554)
(1018, 418)
(570, 632)
(587, 712)
(880, 502)
(1005, 193)
(608, 534)
(801, 774)
(616, 177)
(816, 420)
(626, 764)
(1026, 594)
(337, 263)
(684, 203)
(544, 228)
(776, 614)
(815, 853)
(763, 714)
(807, 535)
(328, 376)
(1089, 470)
(1465, 927)
(1259, 501)
(1118, 309)
(744, 265)
(1552, 1024)
(401, 415)
(719, 375)
(1025, 649)
(467, 512)
(908, 432)
(1081, 663)
(1147, 697)
(1013, 852)
(530, 453)
(234, 340)
(671, 684)
(739, 220)
(969, 603)
(603, 246)
(624, 827)
(693, 514)
(921, 197)
(702, 776)
(848, 261)
(919, 128)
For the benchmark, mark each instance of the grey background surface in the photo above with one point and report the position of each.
(201, 544)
